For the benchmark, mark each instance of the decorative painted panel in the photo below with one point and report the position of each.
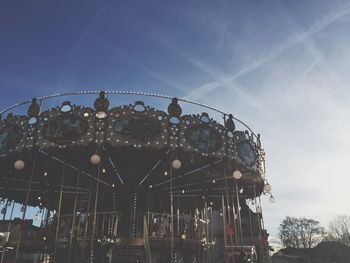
(65, 128)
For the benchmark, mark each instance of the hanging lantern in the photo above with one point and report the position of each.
(176, 164)
(19, 165)
(241, 190)
(258, 209)
(237, 175)
(267, 188)
(272, 199)
(95, 159)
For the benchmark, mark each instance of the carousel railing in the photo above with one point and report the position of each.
(106, 226)
(185, 227)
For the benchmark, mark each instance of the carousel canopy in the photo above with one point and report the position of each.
(125, 147)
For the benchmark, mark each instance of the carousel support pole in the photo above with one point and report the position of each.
(94, 222)
(263, 226)
(206, 217)
(251, 225)
(8, 230)
(239, 215)
(115, 215)
(43, 216)
(178, 217)
(212, 233)
(259, 225)
(262, 218)
(234, 212)
(58, 214)
(171, 211)
(73, 218)
(228, 205)
(26, 204)
(103, 224)
(148, 208)
(224, 222)
(88, 209)
(207, 234)
(226, 190)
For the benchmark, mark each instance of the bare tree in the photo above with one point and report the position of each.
(300, 232)
(339, 229)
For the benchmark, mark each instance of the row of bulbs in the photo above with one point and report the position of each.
(176, 164)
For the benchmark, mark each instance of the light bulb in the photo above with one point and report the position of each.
(237, 175)
(19, 165)
(267, 188)
(95, 159)
(176, 164)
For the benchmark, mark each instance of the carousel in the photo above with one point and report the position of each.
(129, 182)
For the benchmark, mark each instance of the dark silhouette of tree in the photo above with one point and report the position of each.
(339, 229)
(300, 232)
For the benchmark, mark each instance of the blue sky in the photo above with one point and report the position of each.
(281, 66)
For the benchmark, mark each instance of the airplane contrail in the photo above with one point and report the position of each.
(277, 50)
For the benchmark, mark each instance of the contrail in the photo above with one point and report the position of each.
(277, 50)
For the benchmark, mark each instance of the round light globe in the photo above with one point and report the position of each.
(95, 159)
(272, 200)
(237, 175)
(176, 164)
(19, 165)
(267, 188)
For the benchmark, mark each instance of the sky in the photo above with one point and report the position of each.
(280, 66)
